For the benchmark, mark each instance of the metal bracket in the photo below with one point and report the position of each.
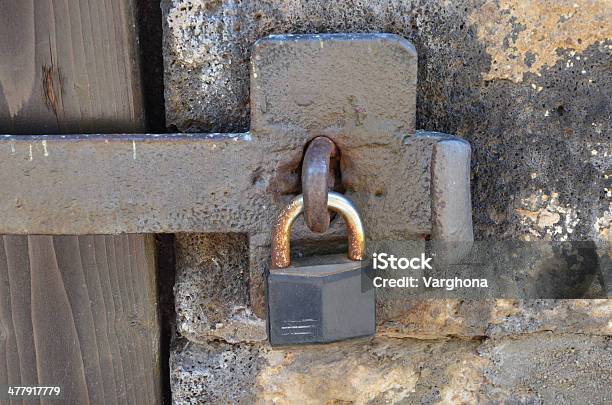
(358, 90)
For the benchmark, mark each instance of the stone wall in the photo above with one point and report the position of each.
(528, 83)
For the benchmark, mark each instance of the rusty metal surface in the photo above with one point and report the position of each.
(315, 182)
(281, 233)
(359, 90)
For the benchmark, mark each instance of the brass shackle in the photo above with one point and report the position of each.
(281, 233)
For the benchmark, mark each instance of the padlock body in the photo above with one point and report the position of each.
(319, 300)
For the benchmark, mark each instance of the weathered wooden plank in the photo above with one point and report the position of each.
(75, 311)
(69, 67)
(54, 324)
(64, 322)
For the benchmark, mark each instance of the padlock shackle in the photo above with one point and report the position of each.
(281, 233)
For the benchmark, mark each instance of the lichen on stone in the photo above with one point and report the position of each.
(545, 219)
(524, 36)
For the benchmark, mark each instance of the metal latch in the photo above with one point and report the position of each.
(359, 90)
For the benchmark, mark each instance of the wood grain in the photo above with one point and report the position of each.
(69, 66)
(83, 317)
(76, 311)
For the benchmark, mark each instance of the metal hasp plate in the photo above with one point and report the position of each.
(317, 302)
(358, 90)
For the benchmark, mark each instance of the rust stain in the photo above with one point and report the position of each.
(524, 36)
(281, 233)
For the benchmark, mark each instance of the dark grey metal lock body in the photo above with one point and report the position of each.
(319, 299)
(320, 302)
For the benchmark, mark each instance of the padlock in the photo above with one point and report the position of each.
(319, 299)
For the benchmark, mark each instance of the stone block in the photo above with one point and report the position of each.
(539, 368)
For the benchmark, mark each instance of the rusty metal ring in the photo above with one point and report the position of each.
(315, 172)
